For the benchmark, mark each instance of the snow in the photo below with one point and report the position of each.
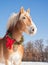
(32, 63)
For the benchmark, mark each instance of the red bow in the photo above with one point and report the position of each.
(10, 42)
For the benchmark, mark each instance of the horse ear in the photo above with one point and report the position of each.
(21, 10)
(28, 10)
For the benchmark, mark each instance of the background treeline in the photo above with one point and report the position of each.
(36, 51)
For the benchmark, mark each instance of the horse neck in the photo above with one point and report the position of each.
(17, 35)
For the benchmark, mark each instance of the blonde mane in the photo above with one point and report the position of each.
(12, 20)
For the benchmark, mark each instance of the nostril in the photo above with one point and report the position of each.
(32, 29)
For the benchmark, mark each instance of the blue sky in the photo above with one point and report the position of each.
(38, 11)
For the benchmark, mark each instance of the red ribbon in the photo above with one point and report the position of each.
(9, 42)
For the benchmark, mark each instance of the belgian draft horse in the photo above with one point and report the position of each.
(17, 24)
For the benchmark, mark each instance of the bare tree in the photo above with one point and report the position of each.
(39, 46)
(46, 53)
(28, 51)
(35, 51)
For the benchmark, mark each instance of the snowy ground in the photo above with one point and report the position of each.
(32, 63)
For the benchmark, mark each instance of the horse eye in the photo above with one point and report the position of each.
(23, 17)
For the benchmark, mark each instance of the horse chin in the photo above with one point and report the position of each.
(32, 34)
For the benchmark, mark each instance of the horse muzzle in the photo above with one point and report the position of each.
(32, 30)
